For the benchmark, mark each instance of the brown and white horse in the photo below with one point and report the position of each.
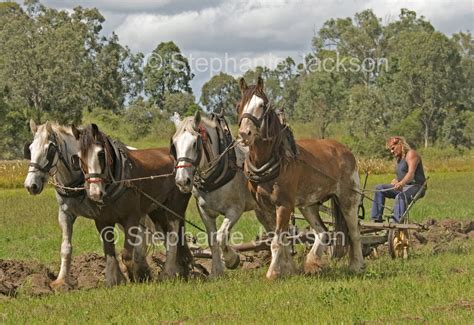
(98, 155)
(52, 153)
(282, 179)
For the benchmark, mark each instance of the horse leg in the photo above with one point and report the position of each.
(178, 255)
(312, 264)
(265, 220)
(113, 275)
(132, 255)
(282, 261)
(211, 229)
(66, 221)
(230, 257)
(348, 203)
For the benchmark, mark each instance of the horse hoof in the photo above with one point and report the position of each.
(357, 269)
(272, 275)
(60, 285)
(312, 267)
(233, 264)
(114, 279)
(216, 274)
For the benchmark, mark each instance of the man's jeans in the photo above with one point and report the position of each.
(402, 200)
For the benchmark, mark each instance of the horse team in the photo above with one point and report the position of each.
(265, 171)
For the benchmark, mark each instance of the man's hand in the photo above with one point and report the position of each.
(394, 181)
(398, 186)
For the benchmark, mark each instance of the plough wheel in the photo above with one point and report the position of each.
(398, 243)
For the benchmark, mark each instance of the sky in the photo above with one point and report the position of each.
(233, 35)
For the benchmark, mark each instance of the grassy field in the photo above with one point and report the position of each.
(426, 287)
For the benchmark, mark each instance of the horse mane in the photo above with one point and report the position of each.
(248, 94)
(59, 130)
(188, 125)
(87, 139)
(272, 128)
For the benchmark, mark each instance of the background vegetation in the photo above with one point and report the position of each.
(362, 81)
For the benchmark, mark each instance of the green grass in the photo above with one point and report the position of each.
(433, 288)
(426, 287)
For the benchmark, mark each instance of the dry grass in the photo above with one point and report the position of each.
(13, 173)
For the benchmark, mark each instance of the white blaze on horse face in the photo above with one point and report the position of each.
(186, 147)
(36, 179)
(96, 187)
(248, 130)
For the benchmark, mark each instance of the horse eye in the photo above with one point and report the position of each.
(195, 145)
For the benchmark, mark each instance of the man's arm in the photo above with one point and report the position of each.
(412, 160)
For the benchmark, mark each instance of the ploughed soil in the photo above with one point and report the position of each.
(33, 279)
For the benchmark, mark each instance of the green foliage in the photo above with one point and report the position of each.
(183, 103)
(54, 64)
(428, 77)
(221, 94)
(140, 115)
(119, 75)
(167, 71)
(321, 98)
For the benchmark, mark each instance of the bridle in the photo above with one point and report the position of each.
(53, 149)
(95, 178)
(258, 122)
(188, 162)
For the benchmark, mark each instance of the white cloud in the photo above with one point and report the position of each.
(254, 29)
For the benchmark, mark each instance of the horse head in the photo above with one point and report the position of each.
(95, 154)
(186, 147)
(252, 109)
(51, 151)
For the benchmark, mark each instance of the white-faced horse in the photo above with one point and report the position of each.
(54, 152)
(221, 187)
(149, 185)
(284, 176)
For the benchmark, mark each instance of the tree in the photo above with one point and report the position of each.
(281, 84)
(183, 103)
(359, 45)
(366, 111)
(118, 76)
(141, 115)
(46, 61)
(322, 97)
(428, 76)
(167, 71)
(221, 94)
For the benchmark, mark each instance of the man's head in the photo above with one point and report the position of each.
(398, 146)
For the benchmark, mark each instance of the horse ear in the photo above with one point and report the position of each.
(243, 86)
(95, 131)
(176, 119)
(76, 132)
(33, 127)
(197, 118)
(49, 128)
(260, 84)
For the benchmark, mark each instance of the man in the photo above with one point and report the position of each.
(410, 178)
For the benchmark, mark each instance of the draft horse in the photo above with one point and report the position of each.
(54, 152)
(282, 177)
(99, 156)
(214, 174)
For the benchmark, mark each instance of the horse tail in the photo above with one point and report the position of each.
(341, 231)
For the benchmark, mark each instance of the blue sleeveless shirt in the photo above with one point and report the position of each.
(402, 169)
